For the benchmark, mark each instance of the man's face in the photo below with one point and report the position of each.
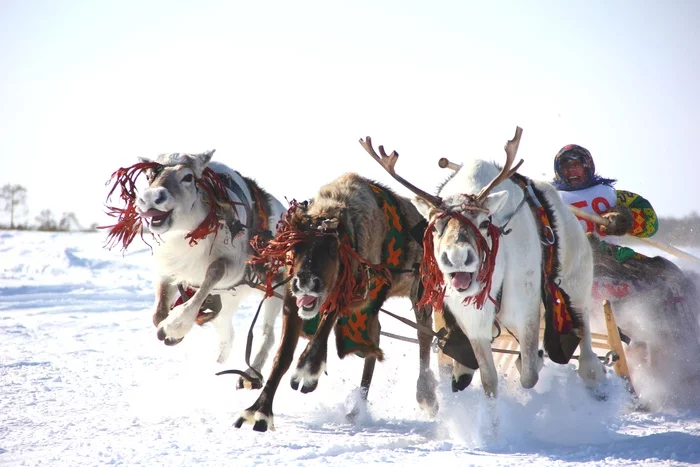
(574, 172)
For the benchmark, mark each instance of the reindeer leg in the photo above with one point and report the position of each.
(425, 387)
(531, 360)
(165, 292)
(590, 369)
(271, 308)
(260, 413)
(445, 363)
(461, 375)
(223, 327)
(374, 329)
(181, 318)
(312, 361)
(487, 367)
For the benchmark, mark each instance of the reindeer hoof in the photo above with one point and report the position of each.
(260, 425)
(239, 423)
(170, 342)
(167, 340)
(461, 383)
(295, 384)
(305, 389)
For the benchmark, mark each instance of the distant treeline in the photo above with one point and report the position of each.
(14, 201)
(680, 232)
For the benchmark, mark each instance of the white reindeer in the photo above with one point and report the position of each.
(464, 220)
(203, 243)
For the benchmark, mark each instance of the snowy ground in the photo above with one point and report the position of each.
(84, 381)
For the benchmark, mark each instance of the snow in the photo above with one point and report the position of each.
(84, 381)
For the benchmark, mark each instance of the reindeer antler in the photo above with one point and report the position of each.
(506, 172)
(388, 162)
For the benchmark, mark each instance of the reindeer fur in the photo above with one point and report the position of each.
(517, 272)
(350, 200)
(213, 265)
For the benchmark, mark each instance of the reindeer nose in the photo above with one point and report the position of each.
(153, 197)
(161, 196)
(470, 257)
(445, 259)
(307, 282)
(458, 257)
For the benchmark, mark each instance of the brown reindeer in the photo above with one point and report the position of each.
(348, 250)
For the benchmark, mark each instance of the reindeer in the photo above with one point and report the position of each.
(490, 258)
(348, 250)
(203, 215)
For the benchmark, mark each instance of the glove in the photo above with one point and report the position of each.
(621, 221)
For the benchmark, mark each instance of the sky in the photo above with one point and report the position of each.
(85, 381)
(284, 90)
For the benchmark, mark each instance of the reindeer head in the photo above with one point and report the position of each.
(170, 203)
(327, 273)
(461, 242)
(315, 261)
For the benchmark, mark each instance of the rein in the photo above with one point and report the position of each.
(249, 341)
(440, 339)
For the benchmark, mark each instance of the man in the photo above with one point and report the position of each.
(621, 274)
(580, 186)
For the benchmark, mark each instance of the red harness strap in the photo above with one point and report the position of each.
(432, 277)
(552, 295)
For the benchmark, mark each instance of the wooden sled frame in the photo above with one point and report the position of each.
(506, 347)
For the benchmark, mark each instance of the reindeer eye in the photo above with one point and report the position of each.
(187, 178)
(484, 224)
(439, 226)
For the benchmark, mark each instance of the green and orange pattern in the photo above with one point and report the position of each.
(645, 221)
(351, 329)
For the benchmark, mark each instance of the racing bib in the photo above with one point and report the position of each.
(595, 200)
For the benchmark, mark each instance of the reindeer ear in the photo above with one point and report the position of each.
(206, 156)
(424, 208)
(201, 161)
(495, 201)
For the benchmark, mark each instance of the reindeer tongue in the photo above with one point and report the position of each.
(461, 280)
(305, 300)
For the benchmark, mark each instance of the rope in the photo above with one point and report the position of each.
(249, 342)
(608, 360)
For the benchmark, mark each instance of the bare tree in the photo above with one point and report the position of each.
(14, 196)
(67, 221)
(46, 221)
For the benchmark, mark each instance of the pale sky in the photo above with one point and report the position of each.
(284, 90)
